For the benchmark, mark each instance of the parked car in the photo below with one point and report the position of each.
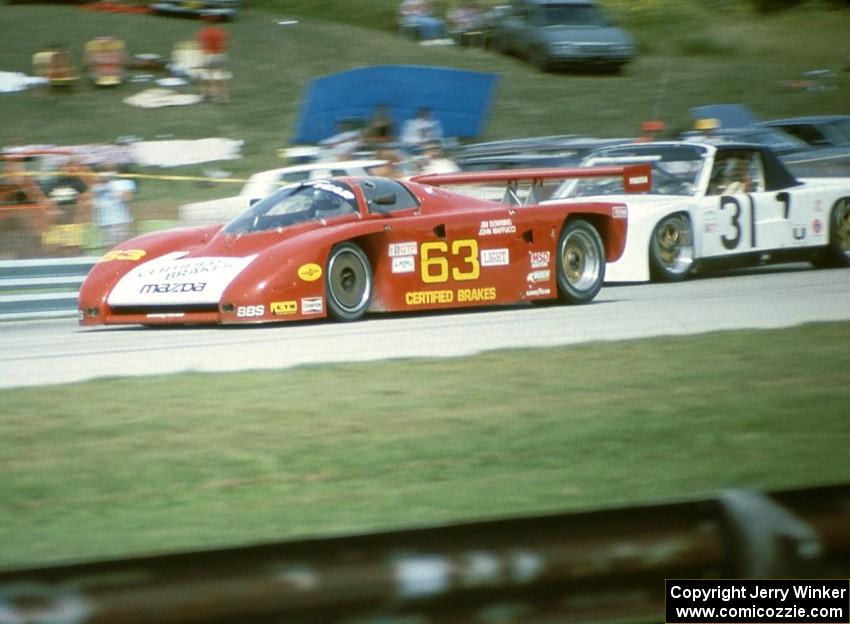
(224, 10)
(346, 246)
(714, 206)
(574, 34)
(264, 183)
(816, 130)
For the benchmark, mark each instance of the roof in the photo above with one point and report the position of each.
(808, 119)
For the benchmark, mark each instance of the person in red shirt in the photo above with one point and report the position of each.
(214, 42)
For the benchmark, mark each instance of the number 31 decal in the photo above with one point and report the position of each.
(434, 266)
(732, 203)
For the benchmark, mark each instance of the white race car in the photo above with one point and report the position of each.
(718, 206)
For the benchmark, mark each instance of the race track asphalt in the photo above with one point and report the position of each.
(58, 351)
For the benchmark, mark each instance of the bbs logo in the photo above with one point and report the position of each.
(250, 311)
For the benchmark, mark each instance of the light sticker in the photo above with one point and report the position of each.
(495, 257)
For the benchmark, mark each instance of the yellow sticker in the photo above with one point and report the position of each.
(129, 255)
(284, 308)
(310, 272)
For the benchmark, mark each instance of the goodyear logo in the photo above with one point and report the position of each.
(284, 308)
(310, 272)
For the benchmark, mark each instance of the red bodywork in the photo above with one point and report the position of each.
(451, 250)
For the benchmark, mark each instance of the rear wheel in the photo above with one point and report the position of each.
(348, 282)
(671, 249)
(580, 263)
(839, 234)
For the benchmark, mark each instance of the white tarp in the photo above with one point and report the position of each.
(176, 153)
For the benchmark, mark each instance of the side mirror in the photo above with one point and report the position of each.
(380, 201)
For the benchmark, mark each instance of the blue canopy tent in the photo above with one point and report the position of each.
(459, 99)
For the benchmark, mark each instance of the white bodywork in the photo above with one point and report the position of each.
(724, 224)
(174, 280)
(264, 183)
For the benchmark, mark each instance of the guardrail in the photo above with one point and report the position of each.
(588, 566)
(41, 288)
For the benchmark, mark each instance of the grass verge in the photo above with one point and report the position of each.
(128, 466)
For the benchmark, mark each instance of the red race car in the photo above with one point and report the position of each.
(346, 246)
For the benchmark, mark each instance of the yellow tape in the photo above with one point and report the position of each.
(138, 176)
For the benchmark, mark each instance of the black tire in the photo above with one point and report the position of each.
(348, 282)
(838, 253)
(671, 249)
(540, 59)
(580, 263)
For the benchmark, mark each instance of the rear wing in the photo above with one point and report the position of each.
(637, 178)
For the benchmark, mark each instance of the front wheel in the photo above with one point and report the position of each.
(671, 249)
(348, 282)
(580, 262)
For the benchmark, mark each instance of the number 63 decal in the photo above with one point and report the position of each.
(434, 265)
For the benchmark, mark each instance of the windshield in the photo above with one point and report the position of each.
(675, 171)
(842, 129)
(309, 201)
(573, 15)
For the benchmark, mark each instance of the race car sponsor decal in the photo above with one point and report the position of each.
(798, 232)
(165, 315)
(284, 308)
(402, 249)
(250, 311)
(539, 259)
(817, 226)
(538, 276)
(312, 305)
(173, 279)
(336, 190)
(173, 287)
(130, 255)
(404, 264)
(310, 272)
(621, 211)
(495, 257)
(538, 292)
(444, 297)
(496, 226)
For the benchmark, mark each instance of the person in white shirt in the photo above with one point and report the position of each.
(420, 131)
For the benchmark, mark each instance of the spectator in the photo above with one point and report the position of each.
(420, 131)
(465, 22)
(434, 161)
(380, 128)
(391, 168)
(111, 197)
(214, 42)
(344, 144)
(417, 19)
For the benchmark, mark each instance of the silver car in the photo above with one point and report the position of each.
(573, 34)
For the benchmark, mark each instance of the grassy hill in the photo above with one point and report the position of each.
(692, 53)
